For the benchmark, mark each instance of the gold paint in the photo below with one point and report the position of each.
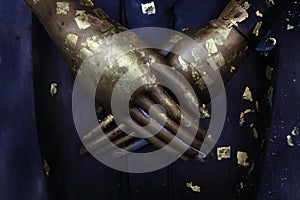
(223, 153)
(258, 13)
(289, 27)
(87, 3)
(204, 113)
(211, 46)
(62, 8)
(84, 53)
(232, 69)
(80, 20)
(247, 94)
(46, 167)
(257, 28)
(71, 40)
(195, 188)
(295, 131)
(289, 140)
(35, 1)
(273, 40)
(269, 71)
(148, 8)
(270, 96)
(53, 89)
(242, 158)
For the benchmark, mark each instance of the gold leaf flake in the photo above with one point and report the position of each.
(269, 71)
(211, 46)
(258, 13)
(35, 1)
(204, 113)
(88, 3)
(232, 69)
(80, 20)
(273, 40)
(242, 158)
(84, 53)
(266, 54)
(184, 29)
(148, 8)
(106, 122)
(53, 89)
(289, 27)
(46, 167)
(62, 8)
(257, 28)
(216, 61)
(195, 188)
(257, 106)
(270, 96)
(247, 94)
(295, 131)
(290, 140)
(223, 153)
(270, 2)
(255, 133)
(71, 40)
(242, 115)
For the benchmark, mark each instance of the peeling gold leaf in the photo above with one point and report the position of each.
(242, 158)
(195, 188)
(80, 20)
(247, 94)
(148, 8)
(223, 153)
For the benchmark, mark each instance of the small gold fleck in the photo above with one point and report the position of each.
(289, 27)
(71, 40)
(35, 1)
(273, 40)
(53, 89)
(257, 28)
(290, 140)
(242, 158)
(184, 29)
(46, 167)
(242, 185)
(223, 152)
(295, 131)
(204, 113)
(270, 2)
(258, 13)
(270, 95)
(266, 54)
(232, 69)
(257, 106)
(88, 3)
(255, 133)
(62, 8)
(269, 71)
(195, 188)
(247, 94)
(211, 46)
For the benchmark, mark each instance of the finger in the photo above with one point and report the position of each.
(105, 123)
(163, 134)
